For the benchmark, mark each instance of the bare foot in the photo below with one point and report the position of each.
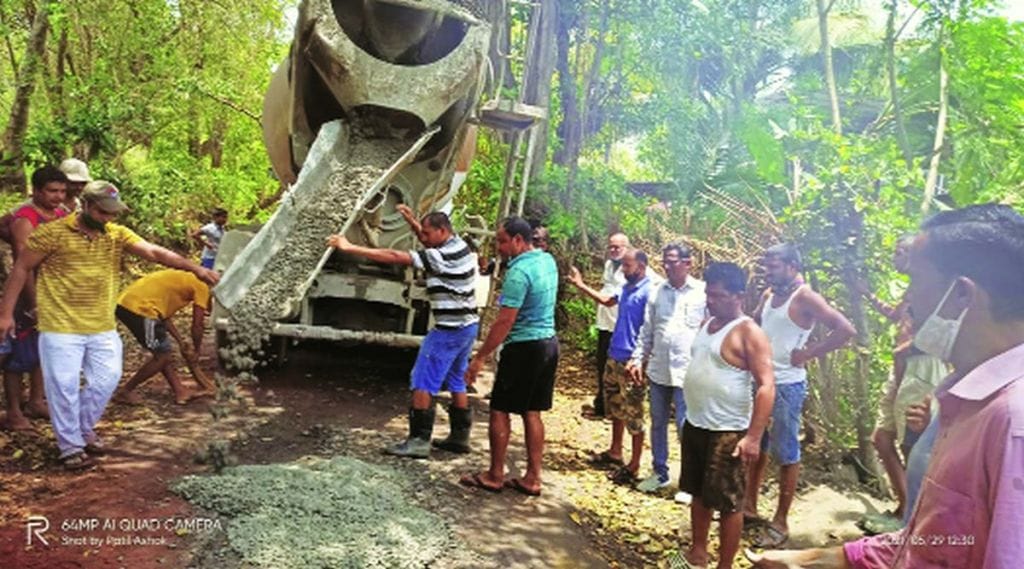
(695, 558)
(128, 397)
(37, 410)
(17, 423)
(184, 397)
(204, 393)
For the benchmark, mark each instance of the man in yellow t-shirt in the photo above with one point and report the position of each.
(147, 308)
(78, 263)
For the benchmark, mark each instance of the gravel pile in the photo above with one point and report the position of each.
(321, 513)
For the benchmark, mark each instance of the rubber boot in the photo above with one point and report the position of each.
(460, 422)
(421, 427)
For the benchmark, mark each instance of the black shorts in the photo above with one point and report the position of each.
(525, 380)
(151, 333)
(710, 471)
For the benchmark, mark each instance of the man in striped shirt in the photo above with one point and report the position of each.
(450, 267)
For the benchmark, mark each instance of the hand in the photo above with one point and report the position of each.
(574, 276)
(748, 449)
(476, 365)
(918, 416)
(208, 276)
(339, 242)
(798, 358)
(6, 327)
(405, 211)
(634, 373)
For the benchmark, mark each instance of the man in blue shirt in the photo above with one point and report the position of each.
(623, 396)
(525, 379)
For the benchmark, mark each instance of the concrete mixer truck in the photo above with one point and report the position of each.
(371, 109)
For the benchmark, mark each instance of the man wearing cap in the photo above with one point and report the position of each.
(77, 260)
(78, 176)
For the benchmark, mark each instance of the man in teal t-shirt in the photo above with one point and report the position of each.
(525, 379)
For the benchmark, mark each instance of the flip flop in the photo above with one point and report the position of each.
(476, 481)
(623, 476)
(604, 459)
(78, 461)
(517, 485)
(770, 537)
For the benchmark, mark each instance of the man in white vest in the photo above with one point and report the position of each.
(788, 312)
(724, 422)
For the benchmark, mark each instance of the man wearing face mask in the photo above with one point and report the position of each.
(967, 274)
(78, 259)
(612, 280)
(788, 313)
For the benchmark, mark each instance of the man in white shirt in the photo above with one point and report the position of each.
(611, 285)
(675, 310)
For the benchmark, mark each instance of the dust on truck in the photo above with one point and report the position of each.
(370, 110)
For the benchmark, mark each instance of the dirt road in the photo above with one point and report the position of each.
(351, 403)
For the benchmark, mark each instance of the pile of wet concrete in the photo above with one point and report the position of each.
(315, 512)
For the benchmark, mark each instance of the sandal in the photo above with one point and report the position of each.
(623, 476)
(770, 537)
(476, 481)
(603, 459)
(96, 448)
(517, 485)
(77, 461)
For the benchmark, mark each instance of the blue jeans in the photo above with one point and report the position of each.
(662, 399)
(783, 435)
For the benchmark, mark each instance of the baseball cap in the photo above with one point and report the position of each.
(75, 170)
(105, 195)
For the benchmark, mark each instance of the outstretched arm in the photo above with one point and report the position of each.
(577, 279)
(410, 218)
(386, 256)
(168, 258)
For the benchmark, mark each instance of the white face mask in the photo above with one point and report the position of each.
(937, 334)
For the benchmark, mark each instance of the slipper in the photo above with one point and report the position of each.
(623, 476)
(517, 485)
(476, 481)
(96, 448)
(604, 459)
(77, 461)
(750, 522)
(770, 537)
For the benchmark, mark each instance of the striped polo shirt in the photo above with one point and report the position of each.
(451, 282)
(76, 289)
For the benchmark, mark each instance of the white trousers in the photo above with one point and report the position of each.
(76, 408)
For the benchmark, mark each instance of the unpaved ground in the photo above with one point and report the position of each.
(353, 402)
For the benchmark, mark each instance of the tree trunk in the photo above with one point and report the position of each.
(538, 82)
(830, 75)
(589, 86)
(12, 163)
(894, 96)
(932, 180)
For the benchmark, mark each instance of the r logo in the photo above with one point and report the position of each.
(36, 526)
